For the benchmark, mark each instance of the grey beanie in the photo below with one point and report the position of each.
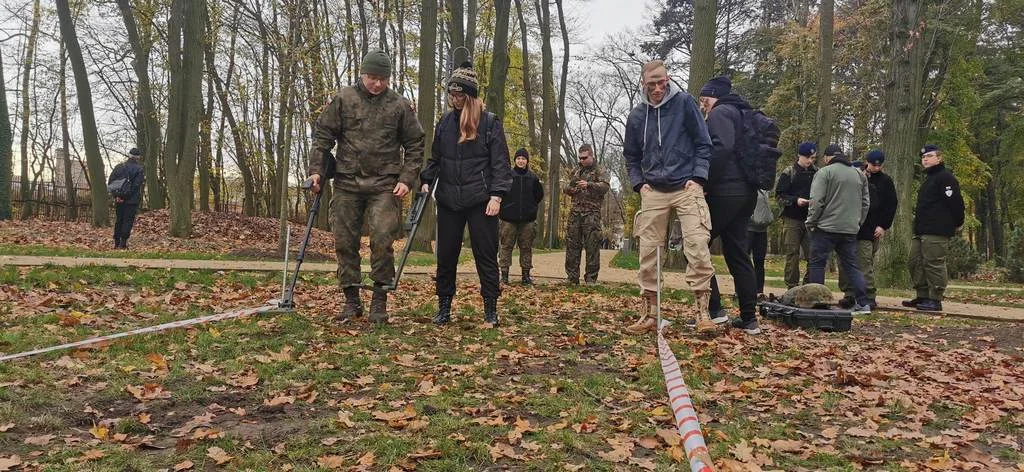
(376, 62)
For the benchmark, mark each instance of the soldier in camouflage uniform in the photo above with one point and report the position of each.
(373, 126)
(587, 187)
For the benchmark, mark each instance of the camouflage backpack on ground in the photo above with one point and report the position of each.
(808, 296)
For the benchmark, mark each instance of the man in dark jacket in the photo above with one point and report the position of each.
(126, 202)
(878, 222)
(587, 187)
(731, 200)
(379, 155)
(518, 217)
(668, 152)
(939, 213)
(839, 205)
(793, 192)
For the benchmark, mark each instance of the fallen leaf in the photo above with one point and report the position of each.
(330, 462)
(185, 465)
(6, 427)
(787, 445)
(649, 442)
(502, 449)
(670, 436)
(345, 418)
(158, 361)
(99, 432)
(144, 418)
(368, 459)
(645, 463)
(7, 463)
(407, 413)
(93, 454)
(39, 440)
(830, 433)
(743, 452)
(329, 441)
(615, 455)
(218, 455)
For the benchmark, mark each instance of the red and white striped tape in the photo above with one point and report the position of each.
(151, 329)
(686, 416)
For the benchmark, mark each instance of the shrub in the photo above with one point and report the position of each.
(962, 260)
(1014, 261)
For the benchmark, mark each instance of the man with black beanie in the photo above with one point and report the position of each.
(880, 217)
(939, 213)
(518, 217)
(126, 201)
(731, 200)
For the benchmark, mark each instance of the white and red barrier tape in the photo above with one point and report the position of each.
(682, 408)
(152, 329)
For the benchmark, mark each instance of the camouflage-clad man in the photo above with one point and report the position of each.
(372, 126)
(587, 186)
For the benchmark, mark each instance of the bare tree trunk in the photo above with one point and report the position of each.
(900, 134)
(97, 178)
(186, 28)
(425, 109)
(471, 14)
(527, 80)
(557, 130)
(548, 117)
(363, 30)
(457, 32)
(499, 62)
(148, 120)
(69, 182)
(702, 57)
(6, 154)
(824, 119)
(206, 148)
(27, 209)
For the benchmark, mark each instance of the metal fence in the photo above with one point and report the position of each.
(50, 201)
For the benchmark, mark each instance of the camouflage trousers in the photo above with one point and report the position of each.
(583, 232)
(382, 213)
(511, 233)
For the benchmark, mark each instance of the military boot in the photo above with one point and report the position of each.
(527, 280)
(491, 310)
(353, 305)
(504, 276)
(648, 314)
(701, 301)
(444, 310)
(379, 307)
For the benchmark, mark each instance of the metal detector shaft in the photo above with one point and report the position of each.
(412, 223)
(288, 300)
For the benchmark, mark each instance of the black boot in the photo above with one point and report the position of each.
(444, 310)
(353, 305)
(379, 307)
(504, 276)
(491, 310)
(527, 280)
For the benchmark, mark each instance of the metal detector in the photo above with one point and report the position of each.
(287, 301)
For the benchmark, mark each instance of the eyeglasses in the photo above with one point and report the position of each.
(457, 95)
(929, 155)
(660, 84)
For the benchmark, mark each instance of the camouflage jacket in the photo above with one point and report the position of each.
(590, 199)
(371, 133)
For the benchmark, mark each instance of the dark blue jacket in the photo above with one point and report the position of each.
(133, 170)
(667, 144)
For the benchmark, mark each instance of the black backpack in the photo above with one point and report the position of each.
(758, 149)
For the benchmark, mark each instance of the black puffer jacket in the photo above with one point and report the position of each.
(520, 203)
(883, 206)
(469, 173)
(794, 182)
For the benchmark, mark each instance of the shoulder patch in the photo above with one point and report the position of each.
(949, 191)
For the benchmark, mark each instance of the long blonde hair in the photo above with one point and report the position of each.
(470, 118)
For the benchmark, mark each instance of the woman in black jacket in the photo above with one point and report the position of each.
(469, 160)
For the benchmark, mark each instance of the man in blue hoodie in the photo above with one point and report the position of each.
(668, 152)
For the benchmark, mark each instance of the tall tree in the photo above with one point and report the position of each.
(6, 154)
(557, 131)
(97, 178)
(531, 120)
(702, 52)
(499, 61)
(548, 115)
(185, 30)
(425, 106)
(26, 79)
(147, 118)
(457, 31)
(825, 47)
(900, 134)
(65, 134)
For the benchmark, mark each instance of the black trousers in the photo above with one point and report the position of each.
(483, 238)
(758, 251)
(125, 213)
(730, 216)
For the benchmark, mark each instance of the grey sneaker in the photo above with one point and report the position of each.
(749, 327)
(860, 310)
(718, 317)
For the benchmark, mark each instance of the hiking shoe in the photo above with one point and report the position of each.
(860, 310)
(643, 325)
(749, 327)
(928, 304)
(912, 303)
(847, 303)
(379, 308)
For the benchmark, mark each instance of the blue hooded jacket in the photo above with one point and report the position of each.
(668, 143)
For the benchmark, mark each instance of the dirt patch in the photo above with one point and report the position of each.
(1004, 337)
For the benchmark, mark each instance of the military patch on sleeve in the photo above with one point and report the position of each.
(949, 191)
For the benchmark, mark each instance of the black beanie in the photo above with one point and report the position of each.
(464, 80)
(717, 87)
(522, 152)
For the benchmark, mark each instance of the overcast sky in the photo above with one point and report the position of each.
(601, 18)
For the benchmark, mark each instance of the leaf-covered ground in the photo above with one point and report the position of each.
(558, 386)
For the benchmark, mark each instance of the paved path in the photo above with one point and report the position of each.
(548, 268)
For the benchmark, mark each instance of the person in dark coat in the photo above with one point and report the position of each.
(793, 192)
(126, 206)
(880, 217)
(939, 213)
(519, 217)
(469, 159)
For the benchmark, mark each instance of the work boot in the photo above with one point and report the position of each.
(913, 302)
(444, 310)
(353, 305)
(379, 307)
(527, 280)
(491, 310)
(701, 301)
(928, 304)
(648, 315)
(504, 276)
